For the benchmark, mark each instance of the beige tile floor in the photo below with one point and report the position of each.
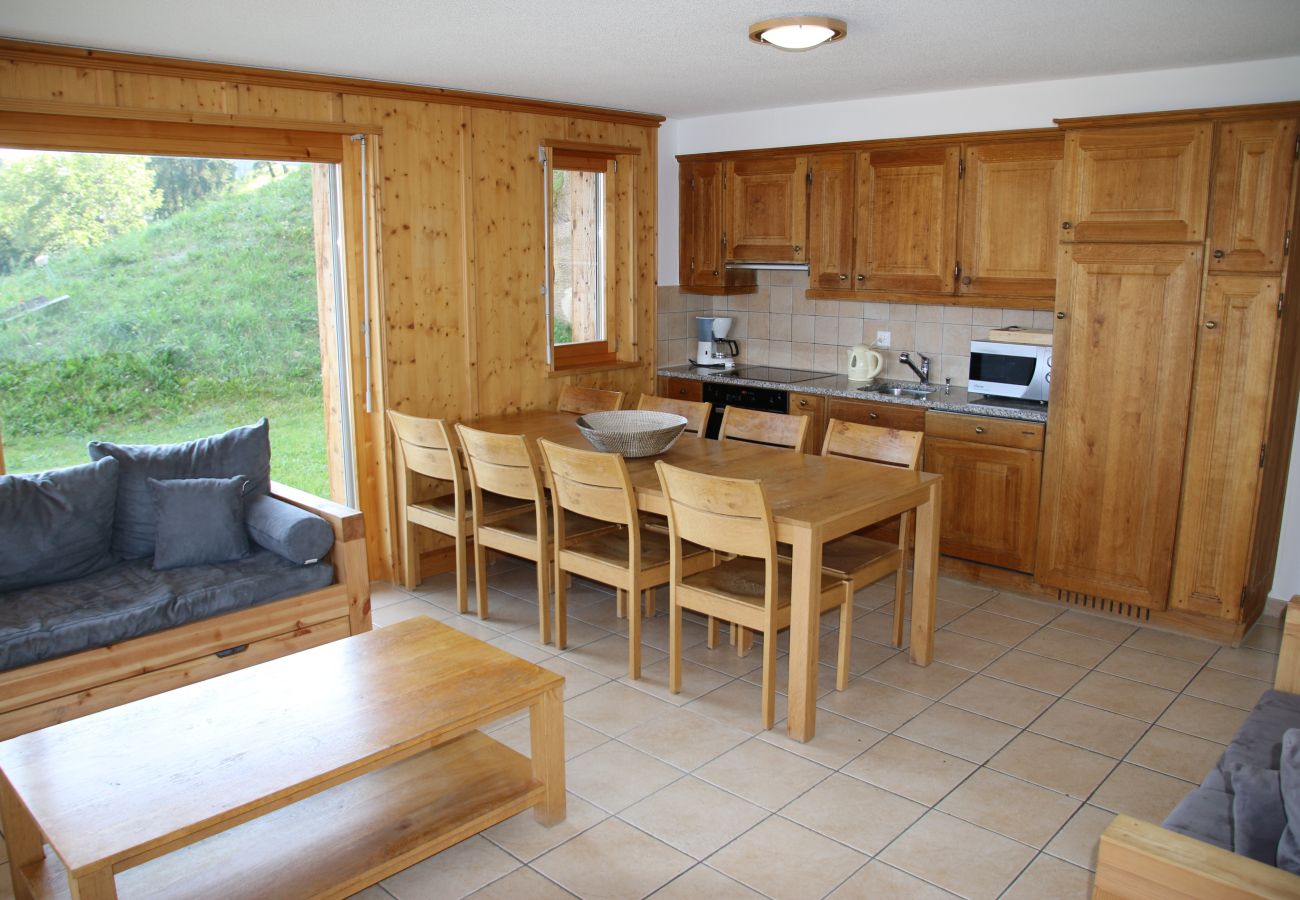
(988, 774)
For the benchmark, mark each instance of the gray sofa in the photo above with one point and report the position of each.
(1238, 833)
(152, 566)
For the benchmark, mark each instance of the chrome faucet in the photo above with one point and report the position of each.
(922, 373)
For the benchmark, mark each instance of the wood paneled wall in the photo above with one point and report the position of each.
(458, 262)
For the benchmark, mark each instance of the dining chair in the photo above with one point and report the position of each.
(433, 493)
(628, 558)
(753, 587)
(754, 426)
(574, 399)
(503, 464)
(856, 557)
(695, 412)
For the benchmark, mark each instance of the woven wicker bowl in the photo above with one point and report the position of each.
(631, 432)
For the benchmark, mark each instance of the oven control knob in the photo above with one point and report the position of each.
(1048, 376)
(1049, 362)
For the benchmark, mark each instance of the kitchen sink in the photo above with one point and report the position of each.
(901, 390)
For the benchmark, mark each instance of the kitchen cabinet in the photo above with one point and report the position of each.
(898, 416)
(681, 389)
(1137, 183)
(991, 472)
(766, 209)
(830, 220)
(1235, 360)
(700, 260)
(814, 407)
(1010, 195)
(1117, 425)
(907, 219)
(974, 220)
(1253, 168)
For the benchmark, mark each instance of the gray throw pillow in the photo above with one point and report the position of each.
(290, 531)
(1288, 848)
(242, 451)
(200, 521)
(56, 525)
(1258, 816)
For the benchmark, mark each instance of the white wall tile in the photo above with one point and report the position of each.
(801, 329)
(826, 330)
(778, 326)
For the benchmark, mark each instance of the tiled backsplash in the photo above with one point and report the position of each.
(780, 326)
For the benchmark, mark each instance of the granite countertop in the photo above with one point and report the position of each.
(956, 401)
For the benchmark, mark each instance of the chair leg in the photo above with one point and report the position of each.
(410, 557)
(620, 604)
(846, 639)
(462, 573)
(769, 680)
(650, 603)
(674, 645)
(634, 634)
(713, 633)
(561, 611)
(900, 577)
(480, 579)
(544, 599)
(744, 639)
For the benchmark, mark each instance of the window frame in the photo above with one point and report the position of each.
(618, 247)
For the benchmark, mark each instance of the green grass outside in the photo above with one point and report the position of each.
(189, 326)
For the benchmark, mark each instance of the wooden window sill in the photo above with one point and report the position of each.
(599, 367)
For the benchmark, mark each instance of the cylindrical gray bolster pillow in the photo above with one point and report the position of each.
(294, 533)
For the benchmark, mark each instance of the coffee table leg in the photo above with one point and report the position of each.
(22, 838)
(97, 885)
(546, 722)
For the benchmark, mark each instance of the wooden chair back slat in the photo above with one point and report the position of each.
(695, 412)
(873, 444)
(727, 514)
(427, 446)
(755, 426)
(590, 483)
(500, 464)
(574, 399)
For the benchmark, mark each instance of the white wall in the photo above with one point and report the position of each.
(1032, 105)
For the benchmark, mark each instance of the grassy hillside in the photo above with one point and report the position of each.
(187, 326)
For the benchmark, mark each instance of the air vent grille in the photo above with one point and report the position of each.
(1101, 604)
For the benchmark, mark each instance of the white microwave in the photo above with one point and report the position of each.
(998, 369)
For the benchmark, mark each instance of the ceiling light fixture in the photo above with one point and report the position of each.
(798, 32)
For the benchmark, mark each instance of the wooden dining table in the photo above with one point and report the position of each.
(814, 499)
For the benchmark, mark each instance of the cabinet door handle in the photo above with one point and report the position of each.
(979, 429)
(803, 403)
(844, 278)
(715, 273)
(873, 415)
(1211, 324)
(862, 278)
(797, 248)
(1066, 226)
(1060, 315)
(1218, 254)
(965, 279)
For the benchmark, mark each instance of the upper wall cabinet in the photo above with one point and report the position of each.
(1253, 166)
(767, 209)
(977, 220)
(701, 264)
(907, 219)
(831, 220)
(1140, 183)
(1009, 199)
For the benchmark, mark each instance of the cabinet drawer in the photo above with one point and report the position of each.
(814, 407)
(985, 430)
(681, 389)
(887, 415)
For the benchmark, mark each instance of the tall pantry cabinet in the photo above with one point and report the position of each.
(1175, 364)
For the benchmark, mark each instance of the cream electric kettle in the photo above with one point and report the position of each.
(864, 363)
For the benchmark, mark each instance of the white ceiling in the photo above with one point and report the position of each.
(679, 58)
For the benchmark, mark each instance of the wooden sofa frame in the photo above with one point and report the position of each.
(67, 687)
(1137, 859)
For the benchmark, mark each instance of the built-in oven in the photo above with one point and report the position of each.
(1000, 369)
(724, 395)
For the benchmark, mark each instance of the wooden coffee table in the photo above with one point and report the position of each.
(317, 774)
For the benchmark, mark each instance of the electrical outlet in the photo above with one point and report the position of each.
(882, 339)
